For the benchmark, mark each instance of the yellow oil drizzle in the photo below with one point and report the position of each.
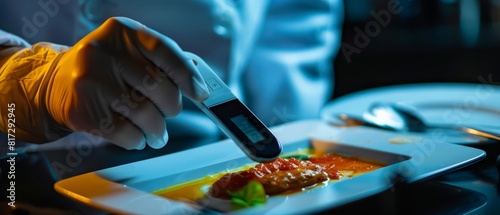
(189, 191)
(194, 190)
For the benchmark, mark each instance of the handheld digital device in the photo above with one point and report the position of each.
(234, 118)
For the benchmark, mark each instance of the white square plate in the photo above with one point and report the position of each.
(128, 188)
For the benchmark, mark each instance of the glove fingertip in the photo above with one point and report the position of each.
(160, 142)
(141, 145)
(201, 91)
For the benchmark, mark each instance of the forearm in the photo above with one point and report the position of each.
(9, 45)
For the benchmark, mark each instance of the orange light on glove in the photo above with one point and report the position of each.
(119, 82)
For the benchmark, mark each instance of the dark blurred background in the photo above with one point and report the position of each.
(420, 41)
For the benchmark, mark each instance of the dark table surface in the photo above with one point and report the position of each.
(474, 189)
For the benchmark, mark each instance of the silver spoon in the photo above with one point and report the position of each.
(349, 120)
(401, 118)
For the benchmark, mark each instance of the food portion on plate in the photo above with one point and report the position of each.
(252, 184)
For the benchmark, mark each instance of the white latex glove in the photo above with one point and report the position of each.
(120, 82)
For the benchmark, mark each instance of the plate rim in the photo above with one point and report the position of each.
(317, 129)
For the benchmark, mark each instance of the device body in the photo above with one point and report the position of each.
(235, 119)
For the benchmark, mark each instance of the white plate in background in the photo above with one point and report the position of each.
(460, 104)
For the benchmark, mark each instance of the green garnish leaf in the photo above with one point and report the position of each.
(251, 194)
(298, 157)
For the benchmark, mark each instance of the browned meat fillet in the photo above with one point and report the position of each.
(277, 177)
(282, 181)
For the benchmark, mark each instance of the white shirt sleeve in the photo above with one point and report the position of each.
(8, 39)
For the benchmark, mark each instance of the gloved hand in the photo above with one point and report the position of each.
(119, 82)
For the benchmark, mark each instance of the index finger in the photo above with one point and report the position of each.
(166, 54)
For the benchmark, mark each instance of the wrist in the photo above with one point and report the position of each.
(52, 101)
(23, 74)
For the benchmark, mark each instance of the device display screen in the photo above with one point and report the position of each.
(237, 118)
(248, 129)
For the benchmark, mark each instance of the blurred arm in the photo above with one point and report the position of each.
(9, 44)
